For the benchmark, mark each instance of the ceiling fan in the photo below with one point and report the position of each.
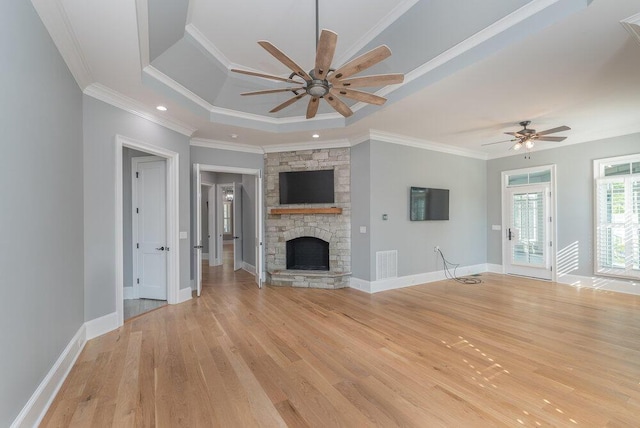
(527, 137)
(323, 81)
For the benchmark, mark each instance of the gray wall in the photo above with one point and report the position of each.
(574, 165)
(361, 210)
(393, 170)
(41, 268)
(101, 123)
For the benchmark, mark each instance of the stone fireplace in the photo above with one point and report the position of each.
(308, 245)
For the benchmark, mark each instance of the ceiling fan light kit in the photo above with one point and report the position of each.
(325, 82)
(527, 137)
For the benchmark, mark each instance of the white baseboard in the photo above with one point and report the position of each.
(184, 294)
(360, 284)
(601, 283)
(492, 268)
(37, 406)
(249, 268)
(102, 325)
(205, 256)
(410, 280)
(128, 293)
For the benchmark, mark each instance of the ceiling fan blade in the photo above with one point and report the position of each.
(359, 96)
(369, 81)
(557, 139)
(280, 56)
(272, 91)
(287, 103)
(515, 134)
(498, 142)
(312, 108)
(554, 130)
(264, 76)
(338, 105)
(361, 63)
(324, 55)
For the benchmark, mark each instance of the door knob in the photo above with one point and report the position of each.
(161, 248)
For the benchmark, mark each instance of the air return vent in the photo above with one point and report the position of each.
(386, 264)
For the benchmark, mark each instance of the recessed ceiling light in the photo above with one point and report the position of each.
(234, 136)
(315, 136)
(161, 108)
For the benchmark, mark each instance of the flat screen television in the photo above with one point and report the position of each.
(428, 204)
(306, 187)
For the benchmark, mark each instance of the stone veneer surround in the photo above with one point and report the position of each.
(333, 228)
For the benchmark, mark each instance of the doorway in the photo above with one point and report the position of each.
(171, 237)
(229, 196)
(145, 285)
(528, 213)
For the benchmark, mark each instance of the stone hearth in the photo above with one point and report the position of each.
(332, 228)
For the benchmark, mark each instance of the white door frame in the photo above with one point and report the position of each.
(173, 231)
(238, 258)
(259, 220)
(552, 211)
(220, 220)
(210, 215)
(134, 218)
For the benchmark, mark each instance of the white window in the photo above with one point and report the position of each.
(617, 212)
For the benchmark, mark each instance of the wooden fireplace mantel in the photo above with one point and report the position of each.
(331, 210)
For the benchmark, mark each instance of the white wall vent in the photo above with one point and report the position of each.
(386, 264)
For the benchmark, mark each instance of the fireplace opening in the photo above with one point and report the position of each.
(307, 253)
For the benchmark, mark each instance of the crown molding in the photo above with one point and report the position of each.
(503, 24)
(116, 99)
(403, 140)
(153, 72)
(223, 145)
(376, 30)
(55, 19)
(632, 25)
(308, 145)
(208, 46)
(142, 19)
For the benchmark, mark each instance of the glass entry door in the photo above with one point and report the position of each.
(528, 230)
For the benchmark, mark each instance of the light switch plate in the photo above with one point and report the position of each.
(363, 229)
(496, 227)
(183, 235)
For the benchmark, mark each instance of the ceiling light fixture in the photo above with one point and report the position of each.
(234, 136)
(529, 144)
(315, 136)
(517, 146)
(324, 81)
(161, 108)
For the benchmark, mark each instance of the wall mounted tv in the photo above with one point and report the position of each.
(306, 187)
(428, 204)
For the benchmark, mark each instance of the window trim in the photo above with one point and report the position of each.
(598, 174)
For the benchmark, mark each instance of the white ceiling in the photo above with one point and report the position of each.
(583, 71)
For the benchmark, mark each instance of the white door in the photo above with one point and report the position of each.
(527, 235)
(258, 241)
(151, 228)
(197, 246)
(237, 226)
(211, 221)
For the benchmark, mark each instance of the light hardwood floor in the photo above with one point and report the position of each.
(508, 352)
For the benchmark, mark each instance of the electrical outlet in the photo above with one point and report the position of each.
(436, 248)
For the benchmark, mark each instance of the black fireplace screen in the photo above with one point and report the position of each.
(307, 253)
